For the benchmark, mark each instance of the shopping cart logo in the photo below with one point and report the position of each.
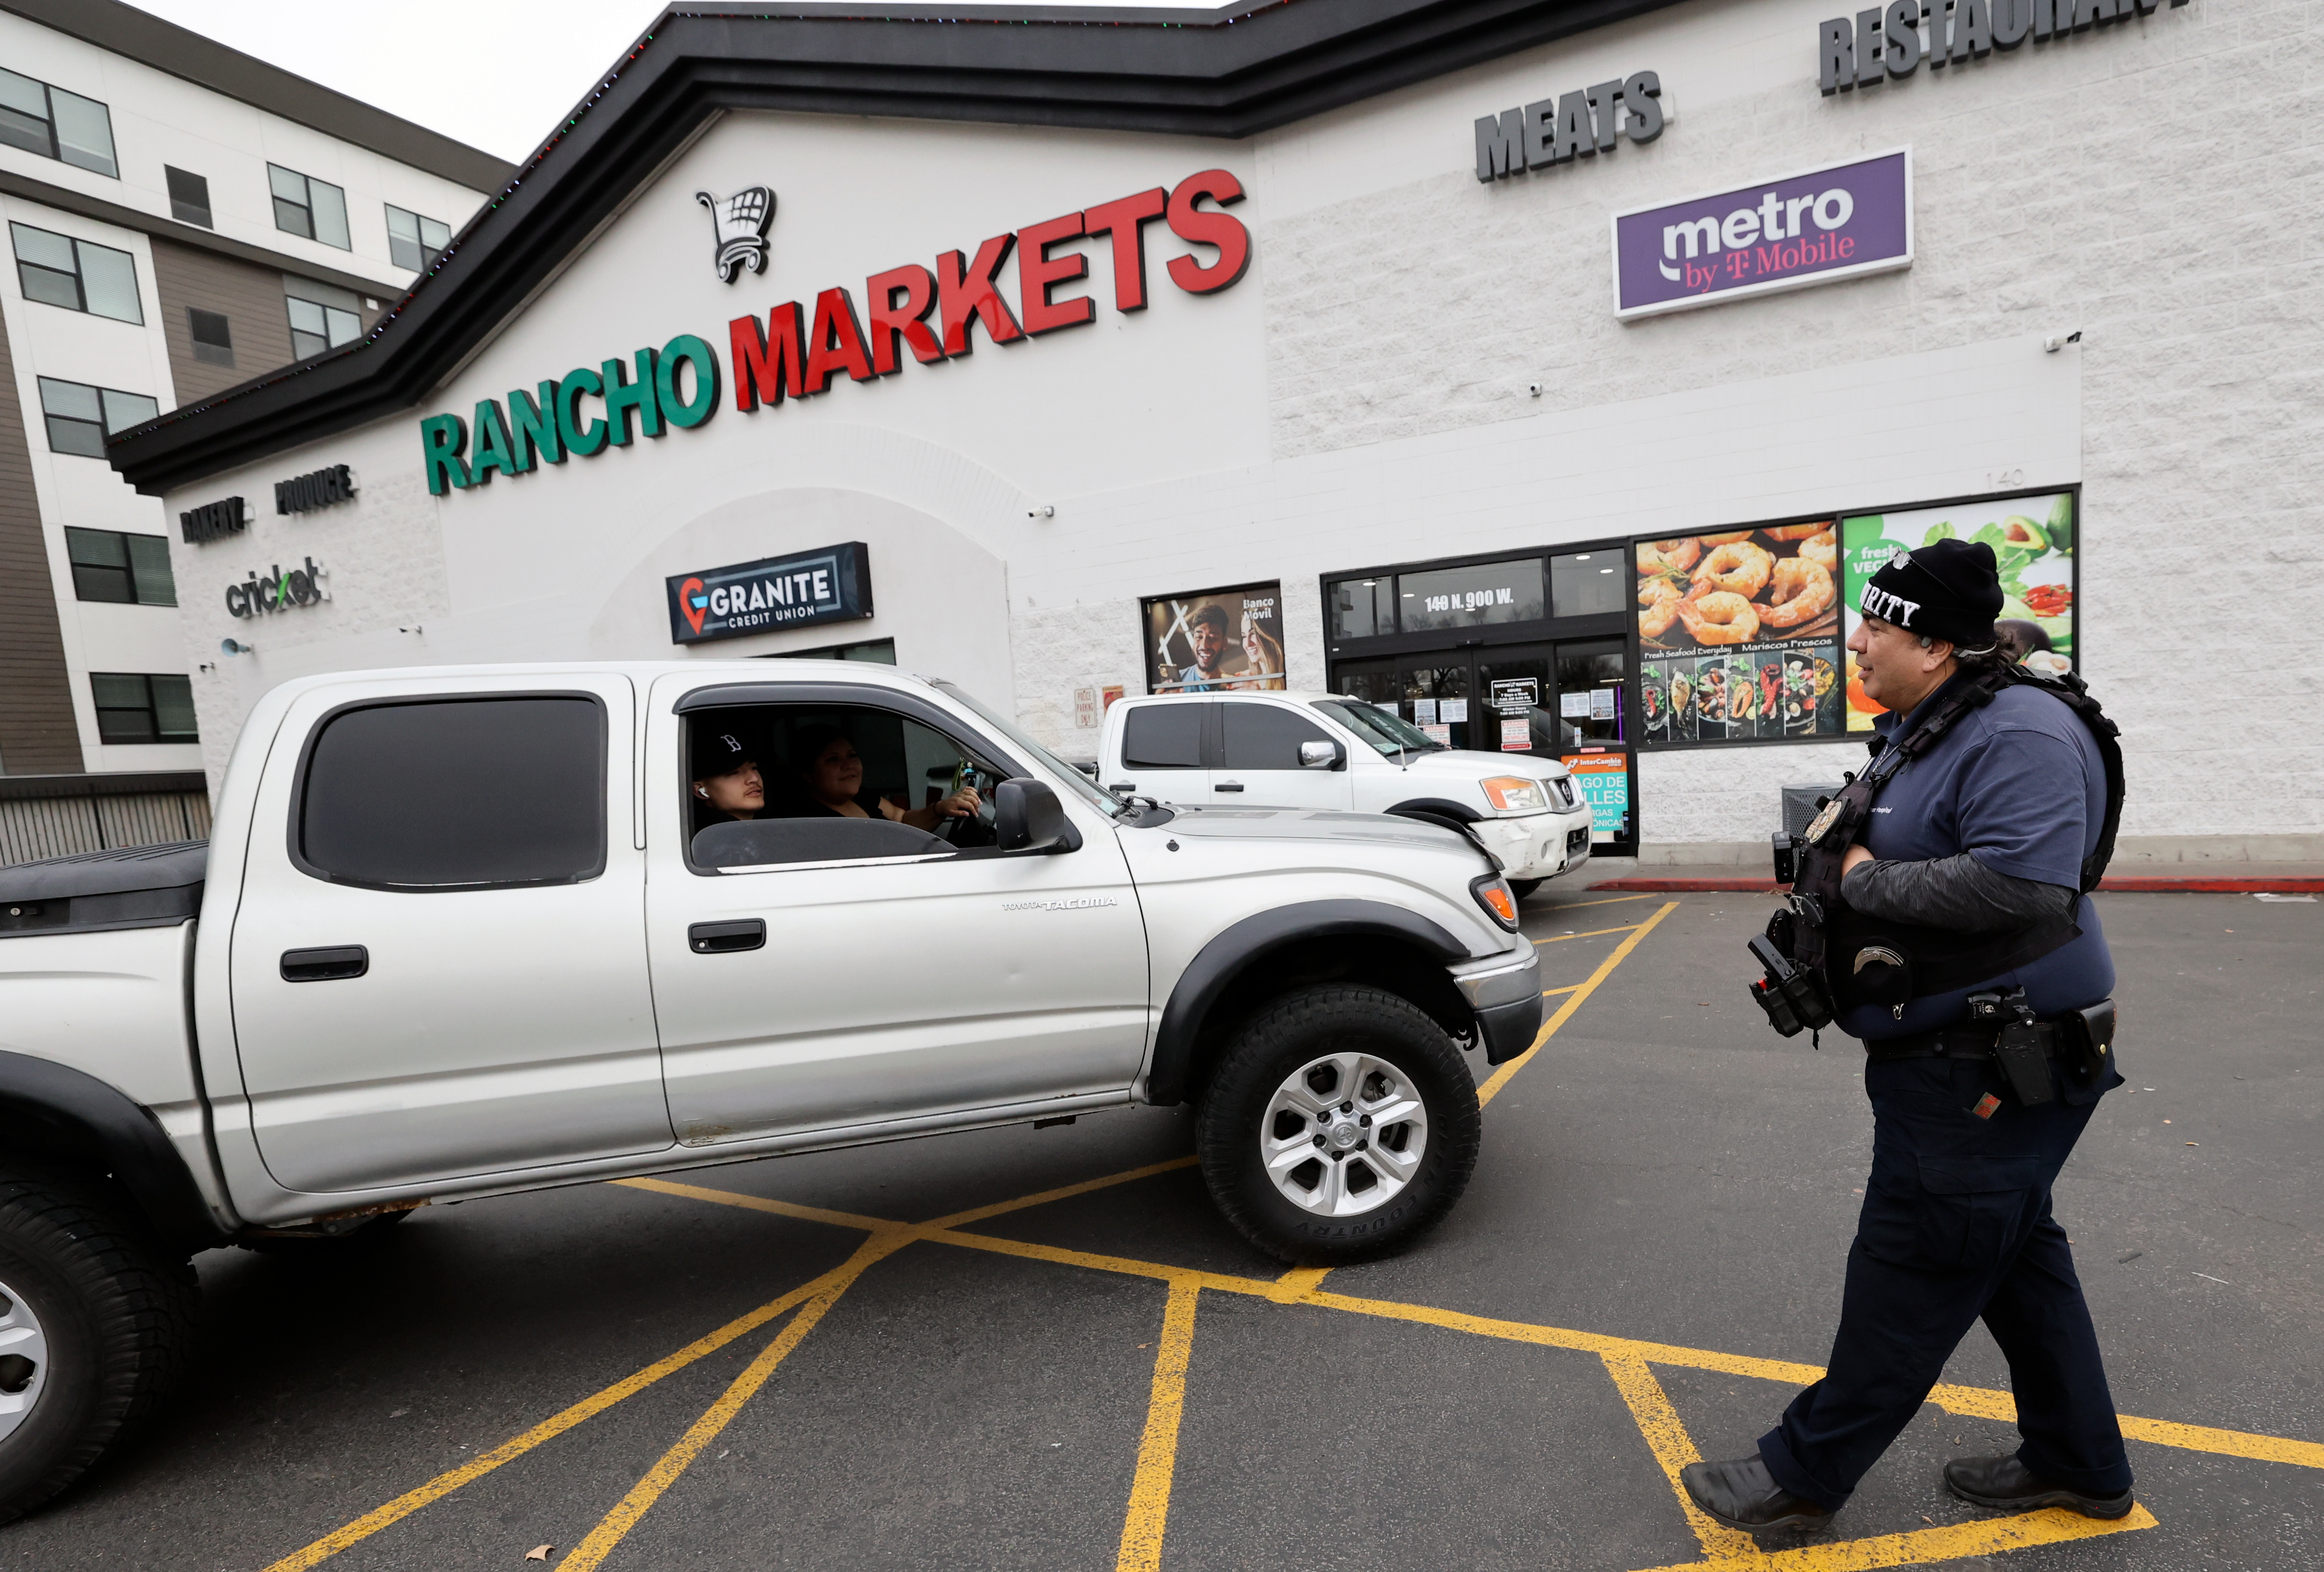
(739, 226)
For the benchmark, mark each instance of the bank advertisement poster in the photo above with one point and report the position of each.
(1740, 634)
(1603, 781)
(2032, 541)
(1216, 640)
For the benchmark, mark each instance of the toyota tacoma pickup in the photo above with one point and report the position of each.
(1325, 750)
(463, 932)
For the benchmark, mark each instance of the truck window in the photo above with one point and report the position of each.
(1262, 736)
(455, 794)
(1164, 737)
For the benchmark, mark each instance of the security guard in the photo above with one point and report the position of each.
(1954, 938)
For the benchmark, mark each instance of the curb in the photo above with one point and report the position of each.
(2127, 884)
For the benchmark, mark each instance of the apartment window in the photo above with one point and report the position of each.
(142, 707)
(314, 208)
(414, 241)
(56, 124)
(80, 418)
(122, 570)
(315, 328)
(78, 275)
(190, 198)
(213, 335)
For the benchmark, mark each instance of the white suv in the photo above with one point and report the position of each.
(1325, 751)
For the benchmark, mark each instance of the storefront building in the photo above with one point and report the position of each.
(1424, 352)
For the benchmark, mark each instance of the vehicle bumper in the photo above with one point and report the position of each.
(1537, 845)
(1506, 997)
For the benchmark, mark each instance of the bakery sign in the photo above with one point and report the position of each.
(1819, 226)
(832, 584)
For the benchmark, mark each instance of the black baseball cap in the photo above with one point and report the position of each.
(1948, 589)
(718, 753)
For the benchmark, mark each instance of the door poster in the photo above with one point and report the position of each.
(1603, 781)
(1739, 635)
(2032, 541)
(1216, 642)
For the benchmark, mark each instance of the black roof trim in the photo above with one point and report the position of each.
(1226, 73)
(21, 789)
(205, 62)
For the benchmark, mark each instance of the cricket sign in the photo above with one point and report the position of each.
(830, 584)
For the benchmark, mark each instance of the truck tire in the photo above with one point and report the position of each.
(1522, 887)
(1340, 1122)
(98, 1321)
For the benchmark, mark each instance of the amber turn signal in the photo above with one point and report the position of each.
(1493, 893)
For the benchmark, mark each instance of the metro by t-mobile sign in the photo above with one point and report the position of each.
(1816, 227)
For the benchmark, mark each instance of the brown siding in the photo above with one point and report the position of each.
(249, 297)
(38, 735)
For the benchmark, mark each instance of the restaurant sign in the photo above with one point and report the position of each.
(1815, 228)
(830, 584)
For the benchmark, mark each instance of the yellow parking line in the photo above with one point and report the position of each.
(1550, 993)
(1158, 1448)
(1594, 933)
(2053, 1526)
(978, 1214)
(1606, 901)
(1673, 1449)
(1636, 930)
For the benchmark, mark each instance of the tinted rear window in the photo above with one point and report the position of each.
(1263, 737)
(458, 794)
(1164, 737)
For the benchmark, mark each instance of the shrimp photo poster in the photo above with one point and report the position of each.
(2032, 541)
(1216, 640)
(1738, 635)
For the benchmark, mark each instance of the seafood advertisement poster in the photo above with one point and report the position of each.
(1738, 634)
(2032, 541)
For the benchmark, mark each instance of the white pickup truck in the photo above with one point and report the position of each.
(468, 931)
(1324, 750)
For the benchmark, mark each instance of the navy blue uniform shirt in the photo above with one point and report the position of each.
(2019, 786)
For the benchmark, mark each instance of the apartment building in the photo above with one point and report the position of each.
(180, 219)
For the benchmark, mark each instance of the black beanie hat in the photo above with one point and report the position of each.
(1947, 589)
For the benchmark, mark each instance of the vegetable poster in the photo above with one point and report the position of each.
(2032, 541)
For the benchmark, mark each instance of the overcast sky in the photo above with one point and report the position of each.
(495, 74)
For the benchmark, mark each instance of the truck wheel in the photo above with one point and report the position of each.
(1340, 1122)
(1522, 887)
(95, 1320)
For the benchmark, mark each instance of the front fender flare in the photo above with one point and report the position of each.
(80, 1117)
(1234, 949)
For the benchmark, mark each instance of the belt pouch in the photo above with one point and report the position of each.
(2089, 1034)
(2023, 1052)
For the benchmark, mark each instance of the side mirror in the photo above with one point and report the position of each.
(1027, 817)
(1323, 756)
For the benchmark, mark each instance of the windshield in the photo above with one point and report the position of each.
(1385, 732)
(1071, 778)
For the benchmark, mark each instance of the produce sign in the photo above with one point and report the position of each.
(2032, 541)
(1738, 635)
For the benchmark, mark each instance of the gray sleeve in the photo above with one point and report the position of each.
(1953, 891)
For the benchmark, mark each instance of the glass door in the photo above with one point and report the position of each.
(1595, 740)
(1432, 691)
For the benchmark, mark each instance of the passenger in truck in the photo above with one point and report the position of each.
(829, 783)
(727, 784)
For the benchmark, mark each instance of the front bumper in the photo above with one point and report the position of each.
(1537, 845)
(1505, 996)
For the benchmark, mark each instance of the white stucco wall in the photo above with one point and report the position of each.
(1361, 398)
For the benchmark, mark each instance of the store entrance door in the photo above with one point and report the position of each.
(1565, 700)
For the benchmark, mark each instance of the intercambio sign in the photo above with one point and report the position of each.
(1834, 222)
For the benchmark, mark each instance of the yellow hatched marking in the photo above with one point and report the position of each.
(1602, 901)
(2051, 1526)
(1573, 1000)
(1592, 933)
(1673, 1449)
(1158, 1449)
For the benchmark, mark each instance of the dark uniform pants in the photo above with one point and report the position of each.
(1956, 1224)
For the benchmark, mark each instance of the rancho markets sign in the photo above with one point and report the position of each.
(932, 314)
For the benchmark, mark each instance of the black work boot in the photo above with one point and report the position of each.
(2009, 1485)
(1743, 1495)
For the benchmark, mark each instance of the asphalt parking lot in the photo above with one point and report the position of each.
(1042, 1349)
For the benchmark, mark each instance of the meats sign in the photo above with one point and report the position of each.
(1824, 224)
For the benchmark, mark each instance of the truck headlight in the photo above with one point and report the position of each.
(1500, 902)
(1515, 794)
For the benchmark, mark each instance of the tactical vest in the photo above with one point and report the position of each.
(1863, 960)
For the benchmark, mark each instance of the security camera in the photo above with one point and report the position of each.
(2058, 340)
(235, 647)
(1045, 512)
(1533, 390)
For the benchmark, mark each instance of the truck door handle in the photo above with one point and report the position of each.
(725, 938)
(1230, 785)
(327, 964)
